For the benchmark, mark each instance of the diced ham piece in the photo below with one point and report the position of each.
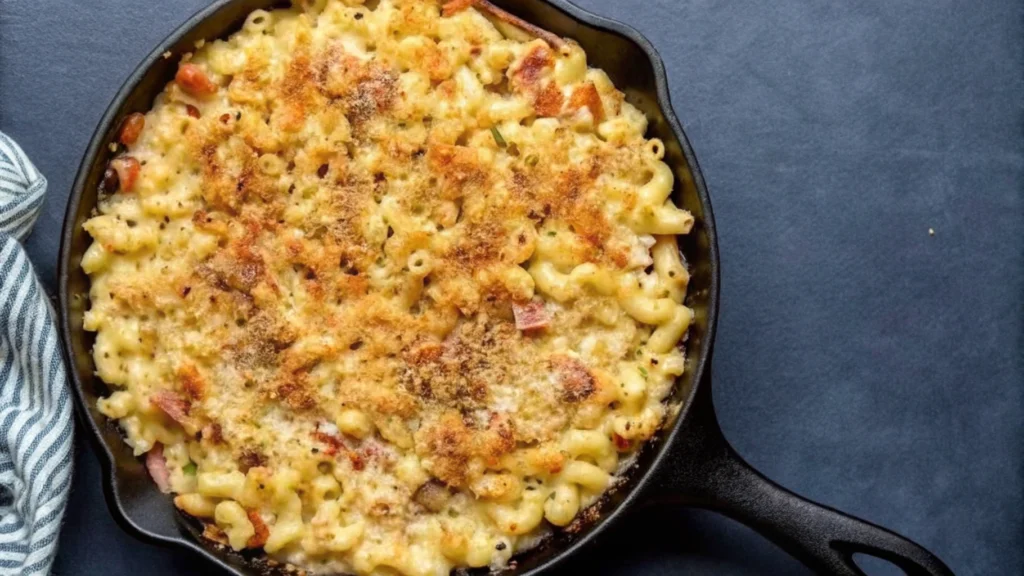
(175, 406)
(194, 81)
(531, 316)
(127, 169)
(157, 466)
(131, 128)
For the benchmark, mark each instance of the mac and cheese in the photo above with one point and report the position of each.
(387, 287)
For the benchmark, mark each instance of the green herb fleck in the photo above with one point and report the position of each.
(643, 372)
(552, 232)
(498, 137)
(532, 160)
(189, 469)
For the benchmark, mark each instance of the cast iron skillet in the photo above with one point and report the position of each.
(690, 462)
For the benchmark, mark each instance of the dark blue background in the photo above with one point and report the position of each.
(860, 361)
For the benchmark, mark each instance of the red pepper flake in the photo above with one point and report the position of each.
(192, 111)
(334, 444)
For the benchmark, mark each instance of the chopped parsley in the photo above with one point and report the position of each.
(532, 160)
(552, 232)
(189, 469)
(643, 371)
(498, 137)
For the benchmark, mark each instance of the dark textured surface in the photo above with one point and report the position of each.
(860, 361)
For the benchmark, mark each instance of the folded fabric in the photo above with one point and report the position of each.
(36, 426)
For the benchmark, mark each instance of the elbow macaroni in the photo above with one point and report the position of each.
(399, 295)
(231, 517)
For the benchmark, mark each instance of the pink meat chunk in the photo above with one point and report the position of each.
(157, 466)
(531, 316)
(174, 405)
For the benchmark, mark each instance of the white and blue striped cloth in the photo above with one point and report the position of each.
(36, 425)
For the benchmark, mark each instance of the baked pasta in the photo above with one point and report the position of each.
(387, 287)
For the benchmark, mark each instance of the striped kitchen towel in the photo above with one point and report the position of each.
(36, 425)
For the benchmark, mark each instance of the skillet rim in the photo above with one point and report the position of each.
(700, 368)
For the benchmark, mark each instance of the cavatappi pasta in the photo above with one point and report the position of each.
(386, 288)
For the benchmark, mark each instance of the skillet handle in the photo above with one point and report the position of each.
(710, 474)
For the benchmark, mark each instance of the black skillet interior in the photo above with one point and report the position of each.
(701, 470)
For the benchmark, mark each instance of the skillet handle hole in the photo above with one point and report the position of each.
(875, 566)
